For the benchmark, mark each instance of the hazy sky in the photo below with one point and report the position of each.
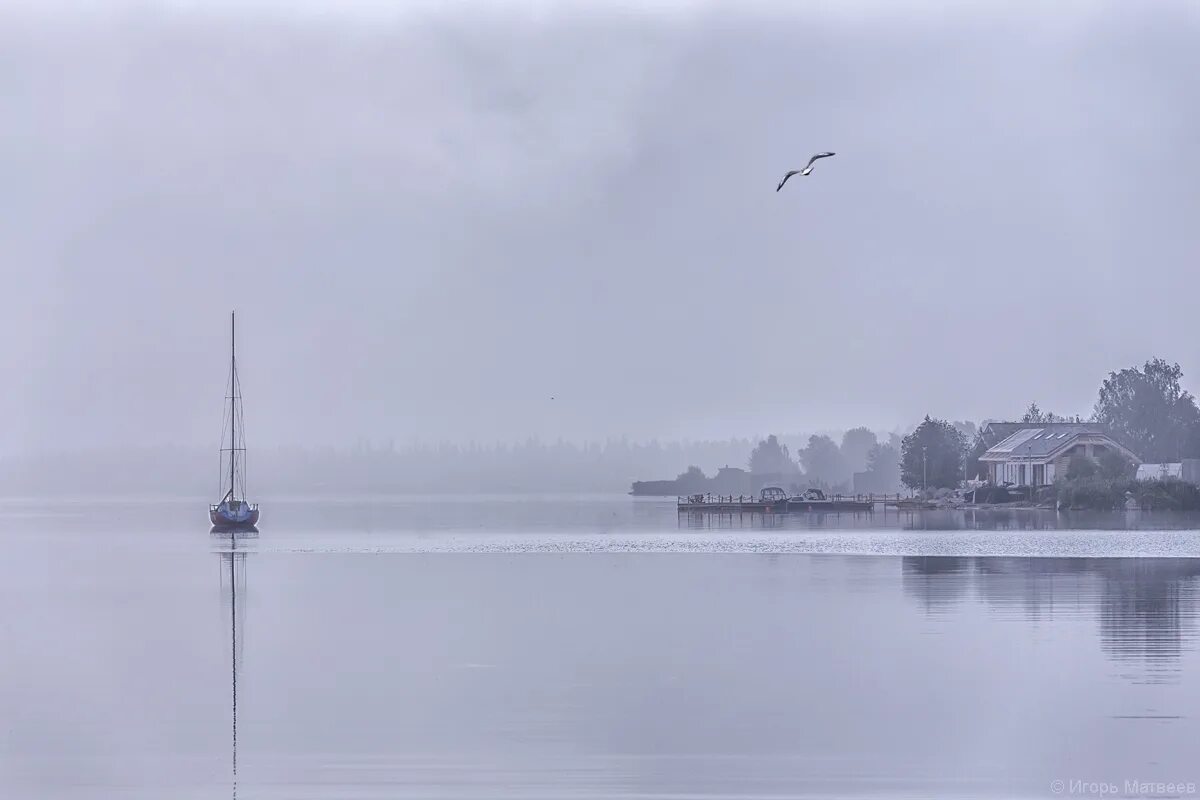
(433, 222)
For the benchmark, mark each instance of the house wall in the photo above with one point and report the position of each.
(1020, 471)
(1061, 464)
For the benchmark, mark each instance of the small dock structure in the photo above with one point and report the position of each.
(774, 500)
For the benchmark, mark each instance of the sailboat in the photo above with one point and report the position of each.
(233, 512)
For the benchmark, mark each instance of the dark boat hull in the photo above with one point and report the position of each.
(221, 522)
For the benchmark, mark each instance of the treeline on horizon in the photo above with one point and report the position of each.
(824, 461)
(1146, 407)
(529, 466)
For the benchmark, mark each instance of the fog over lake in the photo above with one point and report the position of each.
(509, 277)
(434, 220)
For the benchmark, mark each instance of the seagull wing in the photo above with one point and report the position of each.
(811, 161)
(785, 178)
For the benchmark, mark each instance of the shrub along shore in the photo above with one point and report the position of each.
(1109, 494)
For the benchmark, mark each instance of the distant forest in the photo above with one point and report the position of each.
(857, 460)
(1146, 407)
(531, 466)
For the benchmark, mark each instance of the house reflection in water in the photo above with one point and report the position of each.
(1146, 608)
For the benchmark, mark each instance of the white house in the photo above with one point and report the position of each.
(1038, 453)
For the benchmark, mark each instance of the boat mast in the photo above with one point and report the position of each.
(232, 402)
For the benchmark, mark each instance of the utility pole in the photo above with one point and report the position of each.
(924, 471)
(1029, 477)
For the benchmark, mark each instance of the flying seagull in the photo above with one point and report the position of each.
(807, 169)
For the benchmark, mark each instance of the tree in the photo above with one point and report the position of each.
(692, 480)
(856, 447)
(1080, 467)
(967, 429)
(883, 465)
(971, 435)
(771, 458)
(973, 467)
(932, 455)
(823, 461)
(1035, 415)
(1149, 410)
(1113, 465)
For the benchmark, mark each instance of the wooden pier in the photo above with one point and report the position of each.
(776, 504)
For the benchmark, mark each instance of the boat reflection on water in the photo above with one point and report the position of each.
(225, 530)
(233, 607)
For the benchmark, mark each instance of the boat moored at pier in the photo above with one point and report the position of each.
(774, 500)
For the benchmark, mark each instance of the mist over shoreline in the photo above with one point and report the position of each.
(522, 467)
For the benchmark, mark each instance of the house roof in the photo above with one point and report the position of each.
(993, 433)
(1044, 440)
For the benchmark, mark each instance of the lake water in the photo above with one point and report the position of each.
(593, 647)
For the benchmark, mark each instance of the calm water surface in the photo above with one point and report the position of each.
(591, 647)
